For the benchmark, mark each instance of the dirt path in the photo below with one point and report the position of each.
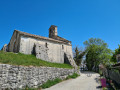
(87, 81)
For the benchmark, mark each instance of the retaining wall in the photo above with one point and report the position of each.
(14, 77)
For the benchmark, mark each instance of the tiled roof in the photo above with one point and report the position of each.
(58, 39)
(61, 39)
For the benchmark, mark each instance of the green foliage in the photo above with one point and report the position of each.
(100, 72)
(50, 83)
(105, 88)
(27, 60)
(117, 71)
(78, 56)
(117, 51)
(75, 75)
(97, 52)
(95, 41)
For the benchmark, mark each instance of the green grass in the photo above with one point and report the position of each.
(104, 88)
(27, 60)
(50, 83)
(75, 75)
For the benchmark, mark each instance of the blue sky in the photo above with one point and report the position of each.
(77, 20)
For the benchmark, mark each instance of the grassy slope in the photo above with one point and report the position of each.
(27, 60)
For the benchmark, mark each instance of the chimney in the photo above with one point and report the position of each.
(53, 31)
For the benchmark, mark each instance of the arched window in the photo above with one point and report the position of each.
(62, 47)
(39, 47)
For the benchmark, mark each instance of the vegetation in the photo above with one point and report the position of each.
(50, 83)
(75, 75)
(117, 51)
(78, 56)
(96, 52)
(27, 60)
(105, 88)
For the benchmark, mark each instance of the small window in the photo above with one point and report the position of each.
(62, 47)
(39, 47)
(46, 45)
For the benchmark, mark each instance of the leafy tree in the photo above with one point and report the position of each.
(76, 58)
(78, 55)
(117, 51)
(97, 52)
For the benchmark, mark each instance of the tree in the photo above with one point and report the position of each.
(78, 55)
(76, 58)
(97, 52)
(117, 51)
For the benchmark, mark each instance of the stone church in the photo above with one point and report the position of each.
(53, 49)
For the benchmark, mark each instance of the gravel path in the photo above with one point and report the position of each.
(87, 81)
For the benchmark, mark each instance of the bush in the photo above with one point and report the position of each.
(50, 83)
(105, 88)
(75, 75)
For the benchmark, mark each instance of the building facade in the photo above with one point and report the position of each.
(53, 49)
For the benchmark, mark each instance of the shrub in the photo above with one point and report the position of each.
(50, 83)
(75, 75)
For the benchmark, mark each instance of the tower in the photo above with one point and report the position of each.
(52, 31)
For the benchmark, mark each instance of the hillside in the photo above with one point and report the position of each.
(27, 60)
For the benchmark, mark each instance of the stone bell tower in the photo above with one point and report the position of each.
(53, 31)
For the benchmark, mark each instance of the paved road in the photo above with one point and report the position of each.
(87, 81)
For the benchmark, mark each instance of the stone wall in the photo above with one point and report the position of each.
(14, 43)
(41, 52)
(55, 50)
(4, 48)
(15, 77)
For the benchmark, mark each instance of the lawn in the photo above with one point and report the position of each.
(27, 60)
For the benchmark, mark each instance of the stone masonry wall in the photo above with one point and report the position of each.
(14, 77)
(55, 50)
(41, 52)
